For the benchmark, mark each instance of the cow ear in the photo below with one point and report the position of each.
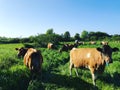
(16, 48)
(115, 49)
(99, 49)
(38, 51)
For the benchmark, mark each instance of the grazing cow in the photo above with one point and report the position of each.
(50, 46)
(92, 42)
(94, 59)
(76, 41)
(32, 58)
(81, 43)
(104, 43)
(64, 48)
(70, 46)
(21, 51)
(67, 47)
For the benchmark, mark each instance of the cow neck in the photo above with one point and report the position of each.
(103, 58)
(25, 51)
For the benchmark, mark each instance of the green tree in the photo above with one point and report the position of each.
(84, 35)
(77, 36)
(49, 31)
(116, 37)
(98, 36)
(67, 36)
(32, 38)
(92, 36)
(43, 39)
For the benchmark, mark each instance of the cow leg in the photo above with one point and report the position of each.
(76, 71)
(71, 65)
(94, 76)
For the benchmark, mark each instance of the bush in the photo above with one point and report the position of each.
(29, 45)
(15, 78)
(7, 62)
(43, 39)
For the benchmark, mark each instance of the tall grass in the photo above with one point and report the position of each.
(55, 72)
(12, 70)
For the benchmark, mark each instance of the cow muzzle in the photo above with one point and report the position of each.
(111, 61)
(19, 56)
(108, 62)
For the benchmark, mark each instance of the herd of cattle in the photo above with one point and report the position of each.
(95, 59)
(67, 47)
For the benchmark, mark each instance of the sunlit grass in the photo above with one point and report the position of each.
(14, 75)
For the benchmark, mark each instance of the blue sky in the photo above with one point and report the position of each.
(23, 18)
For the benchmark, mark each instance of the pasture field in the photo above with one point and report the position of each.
(55, 72)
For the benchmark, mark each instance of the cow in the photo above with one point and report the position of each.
(64, 48)
(92, 42)
(21, 51)
(67, 47)
(32, 58)
(81, 43)
(104, 43)
(95, 59)
(70, 46)
(50, 46)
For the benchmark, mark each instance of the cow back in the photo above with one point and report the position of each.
(27, 57)
(33, 60)
(85, 57)
(36, 62)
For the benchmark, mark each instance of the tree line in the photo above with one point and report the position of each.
(50, 36)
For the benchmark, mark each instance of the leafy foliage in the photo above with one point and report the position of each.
(55, 72)
(43, 39)
(98, 36)
(66, 36)
(84, 34)
(49, 31)
(77, 36)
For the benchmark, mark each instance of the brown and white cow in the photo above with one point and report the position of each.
(67, 47)
(92, 42)
(64, 48)
(32, 58)
(50, 46)
(95, 59)
(104, 43)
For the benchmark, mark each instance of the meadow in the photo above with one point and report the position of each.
(55, 72)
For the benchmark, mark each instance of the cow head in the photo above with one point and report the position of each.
(21, 51)
(64, 48)
(106, 52)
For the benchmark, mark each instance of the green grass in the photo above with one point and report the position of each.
(55, 72)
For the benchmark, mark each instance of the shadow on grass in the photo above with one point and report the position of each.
(111, 79)
(13, 81)
(74, 83)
